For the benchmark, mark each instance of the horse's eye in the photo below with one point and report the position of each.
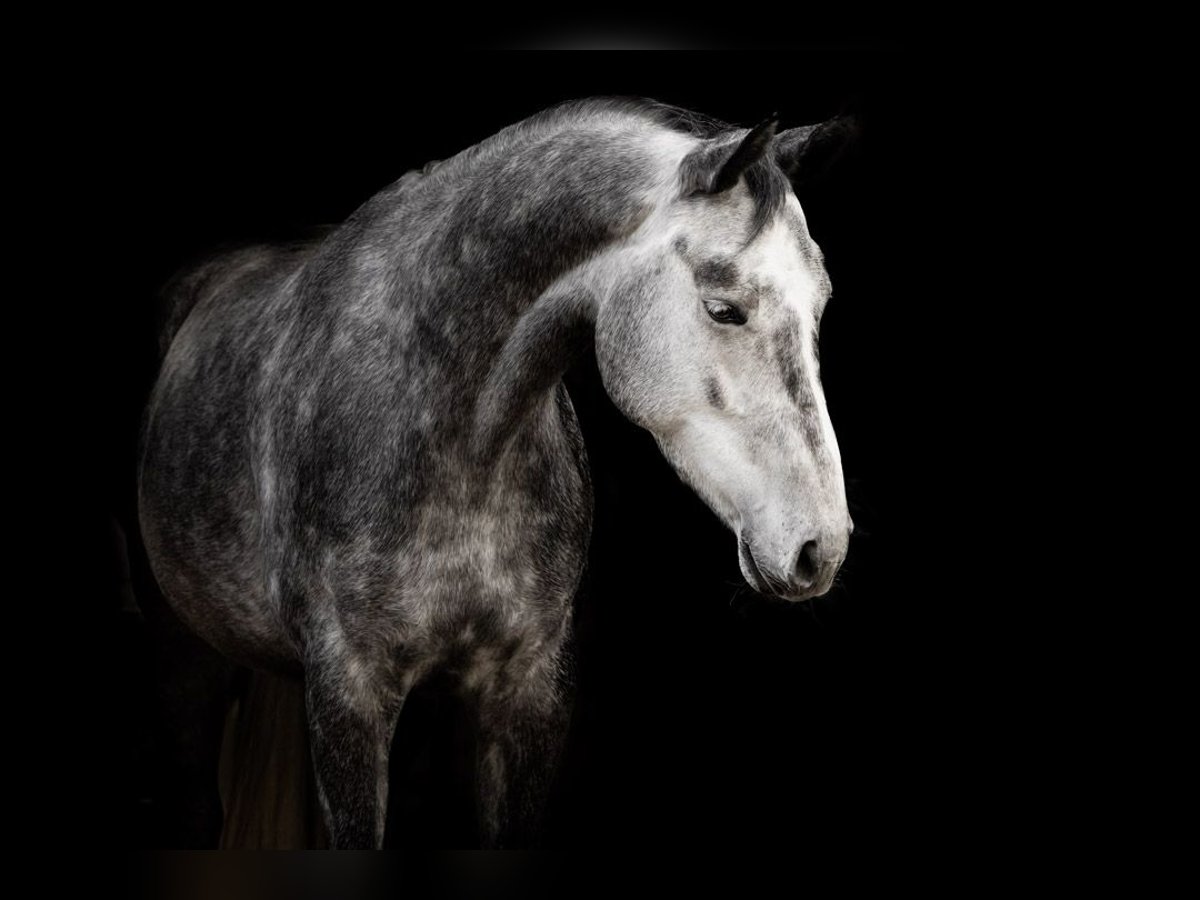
(725, 313)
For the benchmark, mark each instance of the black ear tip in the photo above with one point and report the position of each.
(849, 124)
(806, 153)
(839, 132)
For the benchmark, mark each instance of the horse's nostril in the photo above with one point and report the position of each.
(806, 564)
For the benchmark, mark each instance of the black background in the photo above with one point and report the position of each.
(703, 713)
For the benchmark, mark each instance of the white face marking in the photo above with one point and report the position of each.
(738, 409)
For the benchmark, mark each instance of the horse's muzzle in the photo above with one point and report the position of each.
(809, 572)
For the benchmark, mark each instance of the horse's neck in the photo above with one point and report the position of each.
(499, 225)
(545, 339)
(485, 249)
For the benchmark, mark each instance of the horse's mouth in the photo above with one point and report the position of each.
(752, 571)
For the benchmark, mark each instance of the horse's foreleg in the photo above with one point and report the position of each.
(350, 730)
(521, 737)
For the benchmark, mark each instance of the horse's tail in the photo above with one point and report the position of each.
(268, 789)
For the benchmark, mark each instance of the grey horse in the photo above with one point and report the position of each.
(359, 463)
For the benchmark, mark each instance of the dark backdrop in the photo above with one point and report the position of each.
(703, 711)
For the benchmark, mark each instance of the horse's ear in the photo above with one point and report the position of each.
(807, 153)
(716, 167)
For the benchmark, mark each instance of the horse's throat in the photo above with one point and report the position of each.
(546, 339)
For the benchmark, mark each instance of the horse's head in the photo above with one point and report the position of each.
(707, 337)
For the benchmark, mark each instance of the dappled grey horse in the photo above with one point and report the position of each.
(359, 463)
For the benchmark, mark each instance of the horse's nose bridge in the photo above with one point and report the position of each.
(818, 455)
(803, 500)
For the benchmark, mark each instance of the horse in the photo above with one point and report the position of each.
(359, 464)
